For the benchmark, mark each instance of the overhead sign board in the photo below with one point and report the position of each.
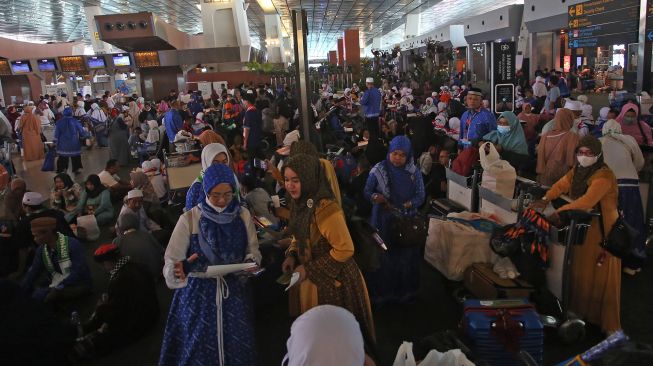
(603, 22)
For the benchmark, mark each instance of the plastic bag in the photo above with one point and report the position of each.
(48, 162)
(498, 175)
(453, 357)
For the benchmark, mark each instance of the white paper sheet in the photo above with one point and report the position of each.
(222, 270)
(293, 280)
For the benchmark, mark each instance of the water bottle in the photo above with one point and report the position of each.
(76, 321)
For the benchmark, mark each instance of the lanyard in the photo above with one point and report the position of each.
(469, 123)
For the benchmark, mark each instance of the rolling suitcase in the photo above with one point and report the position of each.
(483, 283)
(497, 330)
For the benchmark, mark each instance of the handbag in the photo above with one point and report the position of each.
(408, 231)
(619, 241)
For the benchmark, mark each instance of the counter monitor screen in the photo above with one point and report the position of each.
(95, 62)
(21, 67)
(47, 64)
(121, 59)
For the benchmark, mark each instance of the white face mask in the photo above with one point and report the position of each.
(503, 129)
(586, 161)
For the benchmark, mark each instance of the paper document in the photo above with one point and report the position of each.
(293, 280)
(225, 269)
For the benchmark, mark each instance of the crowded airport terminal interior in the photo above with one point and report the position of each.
(326, 182)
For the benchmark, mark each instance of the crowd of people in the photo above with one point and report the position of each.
(261, 180)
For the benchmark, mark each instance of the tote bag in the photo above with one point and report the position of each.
(498, 175)
(48, 162)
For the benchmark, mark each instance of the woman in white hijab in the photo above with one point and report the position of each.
(454, 124)
(97, 113)
(326, 335)
(211, 154)
(624, 157)
(80, 111)
(429, 107)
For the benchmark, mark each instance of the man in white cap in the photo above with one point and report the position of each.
(578, 127)
(33, 209)
(371, 103)
(133, 204)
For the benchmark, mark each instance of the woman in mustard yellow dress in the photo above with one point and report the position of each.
(595, 274)
(322, 249)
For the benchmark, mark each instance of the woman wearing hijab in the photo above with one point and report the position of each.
(65, 193)
(210, 320)
(67, 134)
(624, 157)
(134, 112)
(45, 113)
(94, 200)
(509, 139)
(321, 250)
(99, 121)
(530, 127)
(118, 138)
(210, 137)
(211, 154)
(595, 273)
(395, 183)
(80, 111)
(556, 150)
(29, 128)
(13, 116)
(305, 147)
(429, 107)
(318, 332)
(631, 125)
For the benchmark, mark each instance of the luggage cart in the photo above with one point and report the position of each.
(182, 169)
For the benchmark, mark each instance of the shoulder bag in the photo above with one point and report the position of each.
(619, 241)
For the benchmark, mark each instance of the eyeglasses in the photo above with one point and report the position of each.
(219, 195)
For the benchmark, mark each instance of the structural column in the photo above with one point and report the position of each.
(412, 26)
(273, 39)
(341, 52)
(353, 51)
(99, 47)
(333, 58)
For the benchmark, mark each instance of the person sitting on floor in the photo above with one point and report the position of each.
(62, 257)
(95, 200)
(14, 198)
(133, 204)
(152, 169)
(126, 312)
(110, 179)
(139, 245)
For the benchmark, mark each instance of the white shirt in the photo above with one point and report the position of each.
(623, 156)
(539, 90)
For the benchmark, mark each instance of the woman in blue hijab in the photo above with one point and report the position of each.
(396, 182)
(67, 134)
(210, 320)
(509, 139)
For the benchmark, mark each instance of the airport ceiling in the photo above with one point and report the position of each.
(64, 20)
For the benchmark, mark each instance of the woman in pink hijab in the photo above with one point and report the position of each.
(631, 125)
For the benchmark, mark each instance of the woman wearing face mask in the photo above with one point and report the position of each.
(595, 273)
(210, 313)
(211, 154)
(624, 157)
(321, 250)
(555, 152)
(395, 183)
(509, 139)
(631, 125)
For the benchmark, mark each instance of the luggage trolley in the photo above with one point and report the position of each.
(182, 168)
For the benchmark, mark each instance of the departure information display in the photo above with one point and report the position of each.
(603, 23)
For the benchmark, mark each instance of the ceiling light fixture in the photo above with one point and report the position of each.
(267, 6)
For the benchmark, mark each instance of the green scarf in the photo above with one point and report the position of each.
(62, 252)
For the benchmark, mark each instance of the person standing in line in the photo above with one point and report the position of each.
(173, 123)
(118, 138)
(555, 152)
(29, 128)
(68, 132)
(477, 121)
(371, 103)
(252, 129)
(395, 184)
(622, 154)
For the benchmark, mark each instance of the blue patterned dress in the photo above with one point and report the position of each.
(195, 324)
